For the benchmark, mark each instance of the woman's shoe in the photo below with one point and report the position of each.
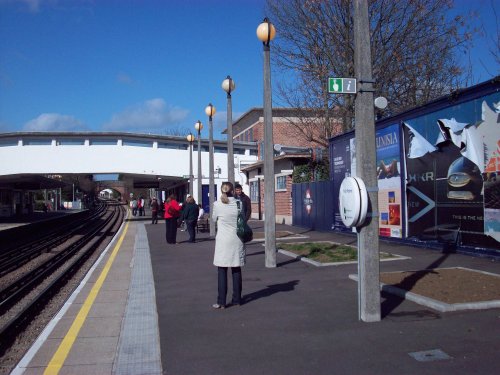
(217, 306)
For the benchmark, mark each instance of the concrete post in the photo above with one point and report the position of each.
(368, 241)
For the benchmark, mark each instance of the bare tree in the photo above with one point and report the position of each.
(495, 39)
(414, 51)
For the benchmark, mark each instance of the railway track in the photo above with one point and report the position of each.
(43, 267)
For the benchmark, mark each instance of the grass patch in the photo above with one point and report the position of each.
(325, 252)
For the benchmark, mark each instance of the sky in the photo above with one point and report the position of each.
(146, 66)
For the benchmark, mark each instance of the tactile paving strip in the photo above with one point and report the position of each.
(139, 344)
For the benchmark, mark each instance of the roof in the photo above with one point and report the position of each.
(117, 135)
(29, 182)
(260, 163)
(253, 115)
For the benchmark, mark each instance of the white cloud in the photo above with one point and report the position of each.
(54, 122)
(124, 78)
(149, 116)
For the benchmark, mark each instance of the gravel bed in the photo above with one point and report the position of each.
(25, 340)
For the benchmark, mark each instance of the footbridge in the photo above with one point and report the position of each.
(124, 162)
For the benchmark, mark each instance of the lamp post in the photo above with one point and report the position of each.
(190, 138)
(210, 111)
(266, 33)
(198, 126)
(229, 86)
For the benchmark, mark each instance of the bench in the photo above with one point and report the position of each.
(203, 224)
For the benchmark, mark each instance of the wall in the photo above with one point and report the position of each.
(443, 185)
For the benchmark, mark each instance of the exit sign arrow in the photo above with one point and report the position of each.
(341, 85)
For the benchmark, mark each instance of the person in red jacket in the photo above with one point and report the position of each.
(172, 213)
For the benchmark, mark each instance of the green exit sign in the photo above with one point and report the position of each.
(342, 85)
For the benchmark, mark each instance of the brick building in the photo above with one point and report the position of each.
(292, 147)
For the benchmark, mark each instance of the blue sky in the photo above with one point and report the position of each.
(141, 66)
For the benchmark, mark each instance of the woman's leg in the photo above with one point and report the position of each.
(190, 228)
(170, 230)
(237, 285)
(174, 230)
(222, 285)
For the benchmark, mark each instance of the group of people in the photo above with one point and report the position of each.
(189, 213)
(229, 249)
(137, 206)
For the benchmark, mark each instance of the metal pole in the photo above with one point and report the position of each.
(199, 167)
(368, 241)
(230, 152)
(191, 167)
(211, 190)
(269, 208)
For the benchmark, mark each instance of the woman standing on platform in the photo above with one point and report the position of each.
(229, 250)
(172, 212)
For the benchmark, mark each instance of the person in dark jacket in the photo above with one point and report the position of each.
(245, 200)
(190, 212)
(154, 211)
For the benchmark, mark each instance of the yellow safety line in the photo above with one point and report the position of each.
(62, 352)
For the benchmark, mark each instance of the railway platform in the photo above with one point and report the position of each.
(146, 308)
(35, 217)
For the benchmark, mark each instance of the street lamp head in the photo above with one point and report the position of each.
(228, 85)
(190, 137)
(198, 126)
(210, 110)
(266, 31)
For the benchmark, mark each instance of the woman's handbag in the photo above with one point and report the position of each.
(243, 230)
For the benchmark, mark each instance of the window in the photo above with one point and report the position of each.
(129, 142)
(254, 191)
(239, 151)
(37, 142)
(103, 142)
(220, 150)
(71, 142)
(173, 146)
(254, 152)
(281, 183)
(8, 142)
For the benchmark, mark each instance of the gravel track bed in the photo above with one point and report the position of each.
(26, 339)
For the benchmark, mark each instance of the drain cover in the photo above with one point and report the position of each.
(430, 355)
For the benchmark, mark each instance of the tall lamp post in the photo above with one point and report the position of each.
(190, 138)
(210, 111)
(266, 33)
(198, 126)
(229, 86)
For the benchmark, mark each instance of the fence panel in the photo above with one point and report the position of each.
(313, 205)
